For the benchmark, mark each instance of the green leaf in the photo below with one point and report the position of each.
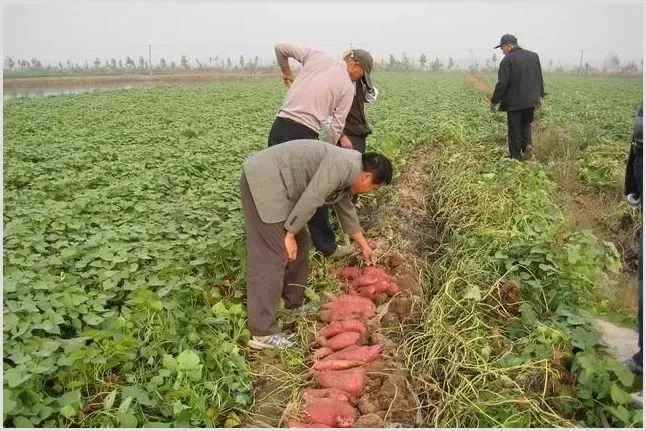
(138, 394)
(8, 404)
(125, 404)
(16, 376)
(108, 402)
(621, 413)
(188, 360)
(169, 363)
(22, 422)
(623, 374)
(68, 411)
(618, 395)
(127, 420)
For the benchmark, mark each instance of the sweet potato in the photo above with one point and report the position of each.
(334, 364)
(376, 271)
(341, 341)
(333, 394)
(336, 328)
(348, 273)
(350, 303)
(330, 412)
(368, 291)
(321, 353)
(365, 280)
(328, 316)
(364, 354)
(351, 381)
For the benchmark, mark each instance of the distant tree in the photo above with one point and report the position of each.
(392, 62)
(241, 62)
(549, 65)
(120, 64)
(587, 69)
(450, 65)
(69, 64)
(106, 63)
(630, 68)
(162, 63)
(142, 62)
(405, 61)
(256, 62)
(173, 65)
(184, 62)
(9, 63)
(86, 65)
(494, 58)
(60, 65)
(612, 63)
(97, 63)
(436, 65)
(130, 63)
(422, 61)
(113, 63)
(228, 63)
(35, 63)
(199, 65)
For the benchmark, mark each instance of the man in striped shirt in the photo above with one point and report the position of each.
(324, 88)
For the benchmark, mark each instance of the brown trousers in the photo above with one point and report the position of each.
(270, 275)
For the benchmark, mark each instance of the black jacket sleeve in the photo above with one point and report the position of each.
(504, 73)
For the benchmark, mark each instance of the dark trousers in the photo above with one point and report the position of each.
(321, 230)
(270, 275)
(519, 131)
(284, 130)
(639, 357)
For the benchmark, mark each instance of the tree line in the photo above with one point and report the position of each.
(216, 63)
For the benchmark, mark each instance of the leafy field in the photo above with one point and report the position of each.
(124, 259)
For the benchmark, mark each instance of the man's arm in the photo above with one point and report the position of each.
(284, 52)
(339, 115)
(540, 76)
(503, 82)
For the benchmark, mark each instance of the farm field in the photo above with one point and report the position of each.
(123, 284)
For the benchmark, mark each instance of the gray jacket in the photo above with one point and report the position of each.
(288, 182)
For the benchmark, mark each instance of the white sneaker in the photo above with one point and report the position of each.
(279, 341)
(342, 251)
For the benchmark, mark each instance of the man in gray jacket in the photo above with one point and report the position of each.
(281, 187)
(519, 91)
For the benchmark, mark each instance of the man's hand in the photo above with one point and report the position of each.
(345, 142)
(368, 255)
(290, 246)
(288, 75)
(288, 78)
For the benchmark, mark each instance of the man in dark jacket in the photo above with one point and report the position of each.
(633, 189)
(519, 90)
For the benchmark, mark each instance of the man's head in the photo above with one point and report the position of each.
(375, 171)
(507, 43)
(359, 63)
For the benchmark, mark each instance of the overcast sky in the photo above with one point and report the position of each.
(54, 31)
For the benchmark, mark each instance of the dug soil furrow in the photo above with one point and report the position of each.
(405, 236)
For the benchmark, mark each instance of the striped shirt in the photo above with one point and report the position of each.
(321, 89)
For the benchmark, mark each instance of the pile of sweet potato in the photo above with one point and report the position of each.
(338, 362)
